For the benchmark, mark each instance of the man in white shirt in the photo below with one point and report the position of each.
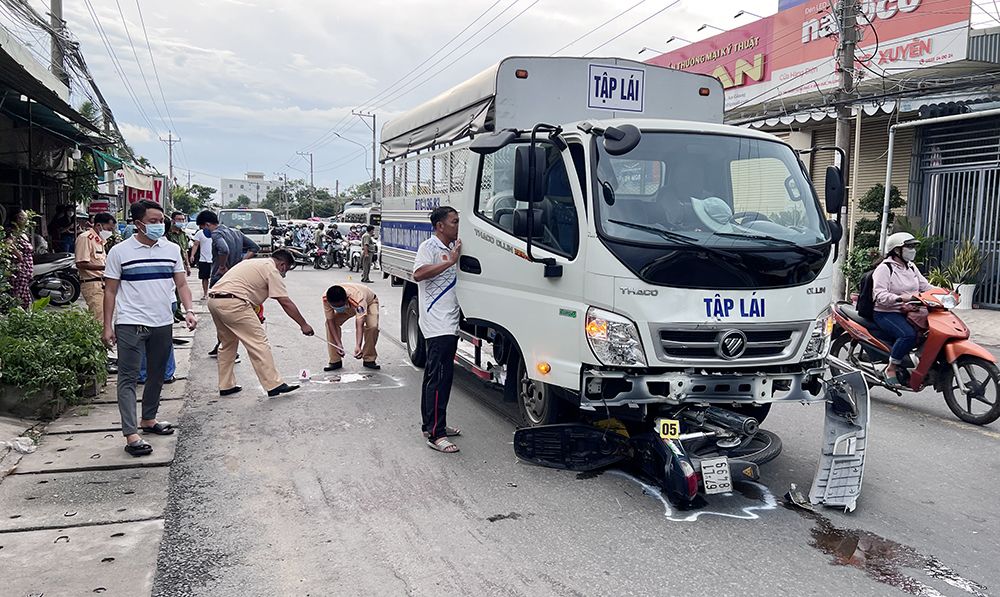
(201, 253)
(141, 275)
(435, 273)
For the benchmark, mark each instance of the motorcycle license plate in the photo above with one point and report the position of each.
(715, 475)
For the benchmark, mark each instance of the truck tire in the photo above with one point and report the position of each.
(537, 402)
(415, 345)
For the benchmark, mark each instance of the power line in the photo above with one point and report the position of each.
(346, 117)
(674, 3)
(604, 24)
(137, 63)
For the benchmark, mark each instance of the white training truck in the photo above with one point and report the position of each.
(627, 257)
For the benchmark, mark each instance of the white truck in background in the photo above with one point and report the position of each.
(627, 256)
(256, 224)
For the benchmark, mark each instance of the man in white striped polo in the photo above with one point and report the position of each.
(141, 275)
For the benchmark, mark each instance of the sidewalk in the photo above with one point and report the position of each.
(80, 501)
(984, 324)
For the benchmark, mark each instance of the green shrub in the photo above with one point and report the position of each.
(51, 349)
(858, 261)
(866, 229)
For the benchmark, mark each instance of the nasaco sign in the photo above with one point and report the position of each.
(794, 51)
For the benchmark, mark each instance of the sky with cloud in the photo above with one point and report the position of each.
(248, 83)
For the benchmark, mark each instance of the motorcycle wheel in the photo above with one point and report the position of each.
(762, 448)
(979, 385)
(68, 292)
(324, 263)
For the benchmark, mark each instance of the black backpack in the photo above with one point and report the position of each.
(866, 294)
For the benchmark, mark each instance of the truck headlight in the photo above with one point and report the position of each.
(819, 337)
(614, 339)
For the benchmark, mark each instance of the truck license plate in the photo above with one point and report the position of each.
(715, 475)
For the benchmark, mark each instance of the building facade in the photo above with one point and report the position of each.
(253, 185)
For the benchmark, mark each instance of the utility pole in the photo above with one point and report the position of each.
(283, 177)
(58, 66)
(363, 116)
(312, 187)
(847, 20)
(170, 140)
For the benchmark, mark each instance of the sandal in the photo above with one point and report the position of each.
(442, 445)
(448, 432)
(161, 428)
(139, 448)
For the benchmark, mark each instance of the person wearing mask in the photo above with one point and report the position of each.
(435, 272)
(90, 258)
(22, 253)
(341, 303)
(141, 275)
(233, 303)
(201, 253)
(176, 235)
(229, 247)
(894, 283)
(368, 249)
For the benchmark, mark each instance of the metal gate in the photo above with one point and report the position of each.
(960, 195)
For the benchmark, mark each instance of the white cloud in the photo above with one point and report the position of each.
(134, 133)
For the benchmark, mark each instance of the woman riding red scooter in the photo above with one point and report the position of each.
(910, 313)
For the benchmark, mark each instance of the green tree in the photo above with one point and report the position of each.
(867, 228)
(203, 193)
(91, 112)
(83, 185)
(241, 201)
(363, 192)
(185, 201)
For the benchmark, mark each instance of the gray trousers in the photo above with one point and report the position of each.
(366, 267)
(133, 341)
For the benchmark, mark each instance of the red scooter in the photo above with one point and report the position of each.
(966, 373)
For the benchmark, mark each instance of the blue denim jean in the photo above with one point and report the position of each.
(899, 328)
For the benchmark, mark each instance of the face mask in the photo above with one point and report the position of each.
(909, 254)
(340, 309)
(154, 231)
(105, 235)
(208, 233)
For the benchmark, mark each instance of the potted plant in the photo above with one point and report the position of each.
(963, 272)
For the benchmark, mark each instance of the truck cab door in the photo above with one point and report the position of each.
(498, 283)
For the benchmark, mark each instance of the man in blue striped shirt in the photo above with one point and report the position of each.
(141, 275)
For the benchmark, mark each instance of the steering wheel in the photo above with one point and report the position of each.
(753, 216)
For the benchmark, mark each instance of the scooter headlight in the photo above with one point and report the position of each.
(819, 338)
(614, 339)
(947, 300)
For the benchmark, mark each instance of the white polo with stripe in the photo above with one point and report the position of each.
(146, 281)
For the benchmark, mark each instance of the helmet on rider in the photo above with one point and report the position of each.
(898, 240)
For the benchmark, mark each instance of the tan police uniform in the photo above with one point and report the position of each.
(363, 304)
(232, 302)
(90, 249)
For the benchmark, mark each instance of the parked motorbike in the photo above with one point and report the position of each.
(945, 358)
(322, 257)
(354, 255)
(302, 256)
(55, 276)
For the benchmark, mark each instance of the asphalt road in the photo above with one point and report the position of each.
(331, 491)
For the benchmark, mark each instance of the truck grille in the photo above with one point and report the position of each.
(693, 344)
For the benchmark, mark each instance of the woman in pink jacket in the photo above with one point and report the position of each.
(895, 282)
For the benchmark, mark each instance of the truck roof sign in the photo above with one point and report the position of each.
(616, 88)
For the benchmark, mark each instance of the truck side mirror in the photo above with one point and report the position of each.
(619, 140)
(834, 190)
(487, 144)
(836, 234)
(529, 174)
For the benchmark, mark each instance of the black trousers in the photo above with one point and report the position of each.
(438, 373)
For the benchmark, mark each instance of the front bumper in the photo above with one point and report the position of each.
(621, 388)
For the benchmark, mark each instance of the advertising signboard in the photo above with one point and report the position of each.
(794, 51)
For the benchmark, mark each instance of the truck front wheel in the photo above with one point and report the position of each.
(415, 345)
(537, 403)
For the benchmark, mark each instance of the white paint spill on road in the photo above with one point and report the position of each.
(746, 512)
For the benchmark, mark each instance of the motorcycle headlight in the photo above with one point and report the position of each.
(947, 300)
(819, 337)
(614, 339)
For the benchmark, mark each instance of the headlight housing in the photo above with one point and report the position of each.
(947, 300)
(614, 339)
(819, 337)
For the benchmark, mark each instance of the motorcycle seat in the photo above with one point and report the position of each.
(851, 312)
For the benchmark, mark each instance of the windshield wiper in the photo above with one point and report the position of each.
(783, 241)
(676, 237)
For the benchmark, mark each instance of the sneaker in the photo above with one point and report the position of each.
(214, 353)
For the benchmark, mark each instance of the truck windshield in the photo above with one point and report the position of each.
(248, 222)
(722, 191)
